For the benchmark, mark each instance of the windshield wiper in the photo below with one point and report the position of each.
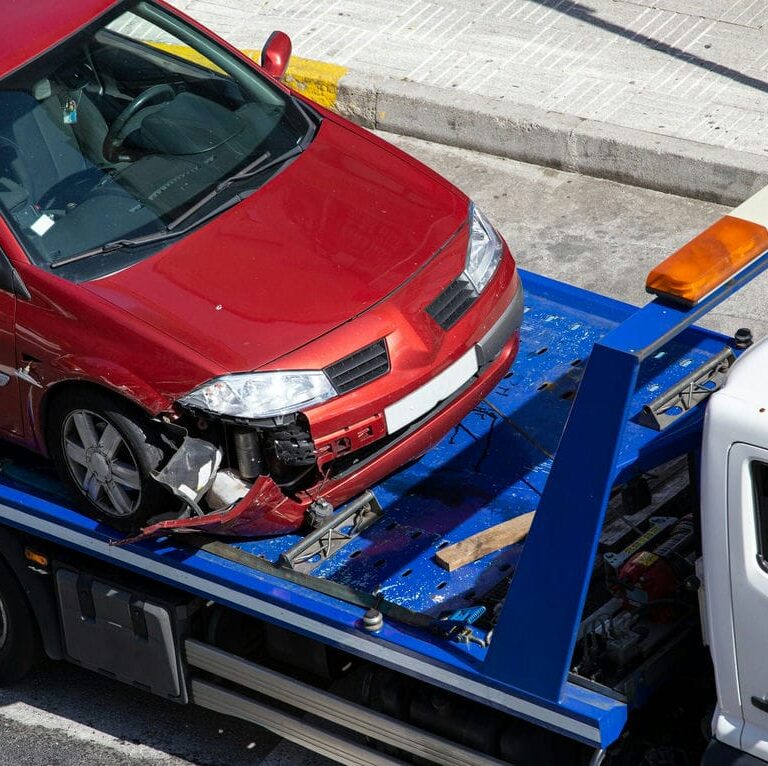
(117, 244)
(251, 169)
(172, 230)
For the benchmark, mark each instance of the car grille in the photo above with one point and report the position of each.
(359, 368)
(452, 303)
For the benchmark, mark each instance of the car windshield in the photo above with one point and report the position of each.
(132, 131)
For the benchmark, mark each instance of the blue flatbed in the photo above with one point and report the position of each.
(496, 465)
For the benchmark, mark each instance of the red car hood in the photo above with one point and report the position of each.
(329, 236)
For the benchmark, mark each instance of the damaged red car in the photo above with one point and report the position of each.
(221, 305)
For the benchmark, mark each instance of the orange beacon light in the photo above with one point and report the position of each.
(714, 256)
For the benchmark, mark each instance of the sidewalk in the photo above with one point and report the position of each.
(668, 94)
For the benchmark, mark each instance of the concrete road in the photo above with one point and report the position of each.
(593, 233)
(64, 716)
(596, 234)
(692, 70)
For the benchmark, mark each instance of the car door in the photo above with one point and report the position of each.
(748, 548)
(10, 404)
(11, 421)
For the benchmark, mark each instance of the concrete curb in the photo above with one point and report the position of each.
(471, 121)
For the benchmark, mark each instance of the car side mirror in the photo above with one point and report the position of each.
(276, 54)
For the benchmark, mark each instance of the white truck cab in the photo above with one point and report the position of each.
(734, 509)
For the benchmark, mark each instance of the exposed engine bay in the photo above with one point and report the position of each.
(264, 470)
(258, 479)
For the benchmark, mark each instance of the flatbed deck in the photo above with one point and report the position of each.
(494, 466)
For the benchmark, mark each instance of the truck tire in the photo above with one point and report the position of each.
(19, 639)
(105, 449)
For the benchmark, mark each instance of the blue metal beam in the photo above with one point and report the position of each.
(535, 636)
(581, 713)
(534, 639)
(650, 328)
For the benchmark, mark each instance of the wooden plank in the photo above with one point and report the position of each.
(485, 542)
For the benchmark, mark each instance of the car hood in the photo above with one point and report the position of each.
(333, 233)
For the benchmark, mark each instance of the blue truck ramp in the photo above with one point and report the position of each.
(589, 429)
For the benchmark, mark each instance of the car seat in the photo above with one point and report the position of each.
(38, 149)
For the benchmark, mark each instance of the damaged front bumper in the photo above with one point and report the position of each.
(265, 510)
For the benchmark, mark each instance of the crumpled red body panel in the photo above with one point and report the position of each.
(264, 512)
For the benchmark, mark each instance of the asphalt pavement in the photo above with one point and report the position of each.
(594, 233)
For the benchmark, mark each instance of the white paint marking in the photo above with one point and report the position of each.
(27, 715)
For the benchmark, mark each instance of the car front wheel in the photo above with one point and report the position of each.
(105, 449)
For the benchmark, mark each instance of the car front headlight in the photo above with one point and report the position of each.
(260, 394)
(483, 252)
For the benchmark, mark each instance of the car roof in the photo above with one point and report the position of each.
(31, 27)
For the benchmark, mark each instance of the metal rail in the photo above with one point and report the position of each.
(687, 393)
(324, 541)
(318, 703)
(541, 615)
(287, 726)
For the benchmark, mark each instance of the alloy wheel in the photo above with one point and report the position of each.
(101, 463)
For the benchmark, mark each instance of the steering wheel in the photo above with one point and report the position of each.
(115, 137)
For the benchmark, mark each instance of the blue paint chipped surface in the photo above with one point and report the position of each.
(485, 472)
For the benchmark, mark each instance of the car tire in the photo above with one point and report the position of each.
(19, 638)
(105, 449)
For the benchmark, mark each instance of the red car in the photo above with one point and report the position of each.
(219, 302)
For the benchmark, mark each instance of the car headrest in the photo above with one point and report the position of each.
(42, 89)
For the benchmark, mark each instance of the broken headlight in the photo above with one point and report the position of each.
(260, 394)
(483, 252)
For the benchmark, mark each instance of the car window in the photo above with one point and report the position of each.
(122, 128)
(760, 489)
(136, 28)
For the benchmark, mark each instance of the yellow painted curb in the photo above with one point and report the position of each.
(317, 80)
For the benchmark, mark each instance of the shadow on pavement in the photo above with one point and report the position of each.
(588, 16)
(70, 702)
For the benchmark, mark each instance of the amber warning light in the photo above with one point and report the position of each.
(714, 256)
(36, 557)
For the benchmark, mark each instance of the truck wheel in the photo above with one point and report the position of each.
(19, 642)
(105, 449)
